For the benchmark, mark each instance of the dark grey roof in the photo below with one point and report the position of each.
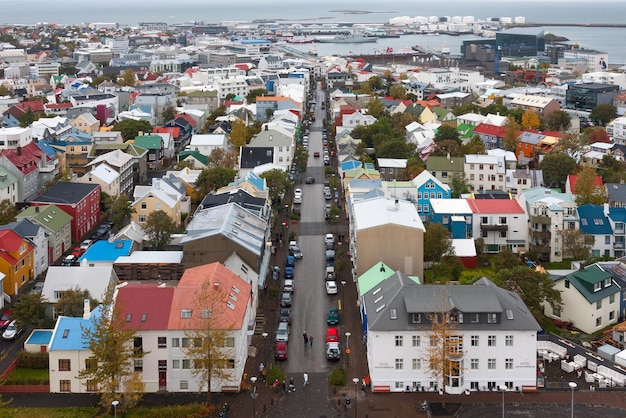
(491, 194)
(253, 156)
(616, 192)
(405, 297)
(239, 196)
(25, 228)
(66, 193)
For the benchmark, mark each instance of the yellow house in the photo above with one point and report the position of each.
(16, 261)
(86, 122)
(162, 195)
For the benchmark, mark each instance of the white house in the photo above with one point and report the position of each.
(105, 176)
(501, 223)
(485, 172)
(120, 162)
(284, 146)
(205, 143)
(495, 336)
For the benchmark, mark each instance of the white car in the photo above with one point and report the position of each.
(289, 286)
(329, 240)
(331, 288)
(12, 331)
(297, 196)
(282, 333)
(86, 244)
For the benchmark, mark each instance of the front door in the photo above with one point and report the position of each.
(162, 380)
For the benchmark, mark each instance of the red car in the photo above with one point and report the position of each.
(316, 154)
(281, 351)
(5, 320)
(332, 335)
(78, 252)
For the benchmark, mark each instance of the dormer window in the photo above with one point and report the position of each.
(416, 318)
(607, 282)
(597, 286)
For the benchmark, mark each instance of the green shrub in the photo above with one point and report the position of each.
(337, 377)
(173, 411)
(276, 373)
(295, 216)
(28, 360)
(272, 292)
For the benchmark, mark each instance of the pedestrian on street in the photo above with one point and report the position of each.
(261, 367)
(311, 340)
(306, 338)
(292, 387)
(264, 375)
(306, 379)
(284, 388)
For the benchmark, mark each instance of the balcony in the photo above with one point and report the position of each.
(541, 249)
(542, 220)
(540, 236)
(618, 245)
(494, 227)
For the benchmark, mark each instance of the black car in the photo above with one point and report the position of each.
(285, 315)
(310, 180)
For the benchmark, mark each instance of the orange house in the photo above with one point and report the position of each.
(16, 261)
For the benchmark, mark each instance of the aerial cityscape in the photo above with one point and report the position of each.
(354, 209)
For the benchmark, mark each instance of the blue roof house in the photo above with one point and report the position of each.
(69, 353)
(595, 222)
(428, 187)
(104, 252)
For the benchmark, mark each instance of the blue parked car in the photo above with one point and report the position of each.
(291, 261)
(288, 272)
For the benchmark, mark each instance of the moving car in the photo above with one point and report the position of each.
(316, 154)
(280, 353)
(5, 320)
(331, 287)
(12, 332)
(289, 286)
(295, 251)
(333, 316)
(310, 180)
(285, 315)
(282, 332)
(285, 299)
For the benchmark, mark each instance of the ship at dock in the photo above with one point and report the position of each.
(347, 39)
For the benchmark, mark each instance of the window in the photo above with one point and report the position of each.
(398, 341)
(138, 365)
(612, 298)
(483, 220)
(492, 385)
(419, 195)
(184, 385)
(611, 315)
(508, 340)
(417, 364)
(186, 364)
(556, 312)
(416, 341)
(175, 364)
(65, 386)
(399, 385)
(399, 364)
(474, 318)
(90, 363)
(567, 284)
(598, 321)
(597, 286)
(162, 342)
(185, 342)
(474, 341)
(142, 218)
(92, 386)
(144, 205)
(474, 364)
(502, 220)
(599, 304)
(607, 282)
(138, 344)
(175, 342)
(491, 364)
(185, 313)
(64, 365)
(434, 341)
(491, 341)
(474, 385)
(230, 342)
(426, 208)
(607, 239)
(508, 364)
(416, 318)
(491, 318)
(502, 234)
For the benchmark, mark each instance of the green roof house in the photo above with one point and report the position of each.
(154, 145)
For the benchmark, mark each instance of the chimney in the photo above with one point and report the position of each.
(216, 285)
(397, 204)
(266, 127)
(19, 150)
(86, 309)
(140, 133)
(36, 209)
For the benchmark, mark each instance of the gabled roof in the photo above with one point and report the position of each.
(24, 227)
(492, 130)
(372, 277)
(197, 155)
(104, 172)
(149, 141)
(115, 158)
(26, 158)
(255, 156)
(229, 295)
(68, 332)
(50, 216)
(424, 177)
(584, 281)
(67, 193)
(96, 279)
(241, 197)
(10, 241)
(378, 212)
(495, 206)
(145, 306)
(593, 221)
(572, 179)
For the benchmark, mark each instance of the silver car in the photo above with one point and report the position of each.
(282, 333)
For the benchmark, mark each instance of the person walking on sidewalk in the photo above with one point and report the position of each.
(306, 379)
(292, 387)
(311, 340)
(306, 338)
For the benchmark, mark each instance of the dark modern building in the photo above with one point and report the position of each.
(586, 96)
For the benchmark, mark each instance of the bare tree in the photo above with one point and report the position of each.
(576, 244)
(211, 347)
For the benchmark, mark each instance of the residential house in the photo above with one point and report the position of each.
(76, 149)
(549, 212)
(617, 128)
(617, 219)
(69, 353)
(105, 252)
(495, 336)
(161, 266)
(570, 183)
(260, 206)
(107, 137)
(28, 164)
(591, 299)
(86, 122)
(491, 135)
(485, 172)
(526, 146)
(445, 168)
(57, 226)
(80, 201)
(352, 120)
(9, 186)
(164, 194)
(154, 144)
(455, 215)
(215, 233)
(269, 105)
(251, 157)
(616, 193)
(120, 163)
(133, 232)
(391, 168)
(37, 236)
(14, 137)
(104, 176)
(542, 106)
(61, 279)
(500, 223)
(596, 152)
(188, 178)
(284, 146)
(389, 231)
(594, 222)
(519, 180)
(206, 143)
(139, 158)
(169, 150)
(17, 261)
(229, 301)
(428, 187)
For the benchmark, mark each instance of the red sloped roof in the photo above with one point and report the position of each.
(494, 206)
(488, 129)
(188, 118)
(572, 179)
(27, 161)
(33, 105)
(145, 306)
(175, 131)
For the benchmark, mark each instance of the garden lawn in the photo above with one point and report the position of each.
(28, 377)
(9, 412)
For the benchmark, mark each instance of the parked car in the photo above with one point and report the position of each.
(310, 180)
(290, 261)
(5, 320)
(288, 272)
(12, 332)
(326, 160)
(289, 286)
(332, 335)
(285, 315)
(328, 195)
(295, 251)
(103, 230)
(282, 332)
(285, 299)
(70, 260)
(333, 351)
(37, 288)
(86, 244)
(331, 287)
(297, 196)
(78, 251)
(280, 353)
(333, 316)
(329, 240)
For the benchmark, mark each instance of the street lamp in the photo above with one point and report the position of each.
(356, 382)
(572, 386)
(348, 334)
(343, 291)
(254, 395)
(115, 404)
(264, 335)
(503, 389)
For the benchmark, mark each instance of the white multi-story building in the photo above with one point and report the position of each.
(501, 223)
(11, 138)
(494, 339)
(284, 146)
(605, 77)
(617, 130)
(485, 172)
(596, 60)
(236, 85)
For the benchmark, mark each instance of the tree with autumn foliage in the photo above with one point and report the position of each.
(238, 134)
(587, 190)
(512, 131)
(530, 119)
